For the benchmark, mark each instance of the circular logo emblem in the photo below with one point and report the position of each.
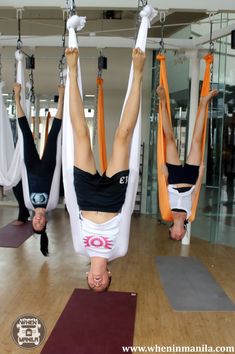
(28, 331)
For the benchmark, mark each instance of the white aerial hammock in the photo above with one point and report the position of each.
(6, 142)
(55, 186)
(10, 173)
(75, 22)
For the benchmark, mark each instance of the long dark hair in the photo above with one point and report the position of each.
(43, 241)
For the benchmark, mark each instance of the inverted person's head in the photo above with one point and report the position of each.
(177, 232)
(39, 222)
(178, 228)
(99, 282)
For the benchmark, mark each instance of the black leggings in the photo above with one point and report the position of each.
(32, 160)
(182, 174)
(23, 211)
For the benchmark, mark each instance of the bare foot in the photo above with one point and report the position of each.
(208, 98)
(138, 57)
(161, 92)
(72, 58)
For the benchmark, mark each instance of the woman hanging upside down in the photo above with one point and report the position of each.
(183, 180)
(39, 171)
(100, 198)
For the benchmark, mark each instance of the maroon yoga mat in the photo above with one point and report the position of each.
(14, 236)
(94, 323)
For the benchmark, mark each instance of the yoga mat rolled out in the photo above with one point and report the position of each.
(189, 285)
(14, 236)
(94, 323)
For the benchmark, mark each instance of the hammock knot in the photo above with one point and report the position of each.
(19, 55)
(99, 81)
(148, 11)
(76, 22)
(160, 57)
(209, 58)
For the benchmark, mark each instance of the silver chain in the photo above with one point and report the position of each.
(71, 8)
(162, 21)
(31, 94)
(19, 17)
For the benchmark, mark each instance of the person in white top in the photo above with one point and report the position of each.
(183, 180)
(100, 198)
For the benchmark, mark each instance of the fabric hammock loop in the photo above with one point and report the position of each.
(160, 57)
(164, 204)
(76, 22)
(68, 156)
(209, 58)
(149, 12)
(99, 81)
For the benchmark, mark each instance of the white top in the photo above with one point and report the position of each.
(100, 240)
(180, 200)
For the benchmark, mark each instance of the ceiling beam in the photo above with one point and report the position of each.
(179, 5)
(115, 42)
(92, 42)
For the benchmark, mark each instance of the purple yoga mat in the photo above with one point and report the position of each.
(14, 236)
(94, 323)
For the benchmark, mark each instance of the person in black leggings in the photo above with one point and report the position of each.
(39, 171)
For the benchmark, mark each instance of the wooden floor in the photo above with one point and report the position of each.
(31, 283)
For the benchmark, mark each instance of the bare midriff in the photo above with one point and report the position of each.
(182, 185)
(99, 217)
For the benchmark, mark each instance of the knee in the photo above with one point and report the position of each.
(170, 139)
(122, 134)
(196, 140)
(83, 133)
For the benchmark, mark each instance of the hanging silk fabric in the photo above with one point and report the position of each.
(101, 125)
(164, 204)
(147, 14)
(55, 186)
(6, 142)
(12, 175)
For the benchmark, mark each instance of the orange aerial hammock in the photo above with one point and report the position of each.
(164, 204)
(101, 125)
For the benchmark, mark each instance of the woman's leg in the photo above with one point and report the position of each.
(49, 155)
(121, 147)
(172, 156)
(31, 156)
(195, 153)
(23, 214)
(83, 155)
